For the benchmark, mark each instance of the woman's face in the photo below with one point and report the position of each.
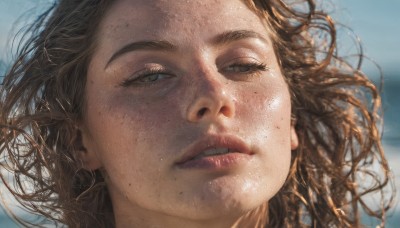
(188, 114)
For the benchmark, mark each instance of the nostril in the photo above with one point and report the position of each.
(201, 112)
(226, 111)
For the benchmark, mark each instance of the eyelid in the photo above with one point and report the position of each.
(252, 63)
(241, 60)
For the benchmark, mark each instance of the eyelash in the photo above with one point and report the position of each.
(252, 69)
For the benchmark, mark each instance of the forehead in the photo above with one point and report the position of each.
(142, 19)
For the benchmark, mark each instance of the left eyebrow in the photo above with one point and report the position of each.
(235, 35)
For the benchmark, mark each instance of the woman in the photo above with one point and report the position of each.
(136, 113)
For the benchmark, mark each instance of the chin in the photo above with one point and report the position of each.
(216, 200)
(228, 210)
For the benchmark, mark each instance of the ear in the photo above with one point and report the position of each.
(294, 140)
(84, 151)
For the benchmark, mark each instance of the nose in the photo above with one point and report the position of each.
(213, 99)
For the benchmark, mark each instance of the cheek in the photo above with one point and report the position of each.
(123, 128)
(124, 111)
(266, 108)
(267, 114)
(123, 132)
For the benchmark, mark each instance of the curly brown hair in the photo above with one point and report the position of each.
(335, 111)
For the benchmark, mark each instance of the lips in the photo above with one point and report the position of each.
(213, 151)
(214, 145)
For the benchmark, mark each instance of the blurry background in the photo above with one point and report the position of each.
(377, 23)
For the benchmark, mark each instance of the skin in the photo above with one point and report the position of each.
(135, 130)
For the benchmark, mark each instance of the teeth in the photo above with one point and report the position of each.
(213, 151)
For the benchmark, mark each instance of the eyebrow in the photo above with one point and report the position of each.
(235, 35)
(162, 45)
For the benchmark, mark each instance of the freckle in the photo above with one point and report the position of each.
(255, 92)
(180, 193)
(277, 127)
(130, 184)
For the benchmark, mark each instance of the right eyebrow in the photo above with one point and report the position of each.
(159, 45)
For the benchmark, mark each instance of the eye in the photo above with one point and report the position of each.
(147, 78)
(151, 78)
(245, 68)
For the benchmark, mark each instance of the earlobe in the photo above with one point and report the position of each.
(85, 153)
(294, 140)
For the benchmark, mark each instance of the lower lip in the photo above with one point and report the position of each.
(223, 161)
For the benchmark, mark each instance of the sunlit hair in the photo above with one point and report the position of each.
(335, 111)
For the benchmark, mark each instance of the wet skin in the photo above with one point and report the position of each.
(169, 80)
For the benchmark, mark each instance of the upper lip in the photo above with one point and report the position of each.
(233, 143)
